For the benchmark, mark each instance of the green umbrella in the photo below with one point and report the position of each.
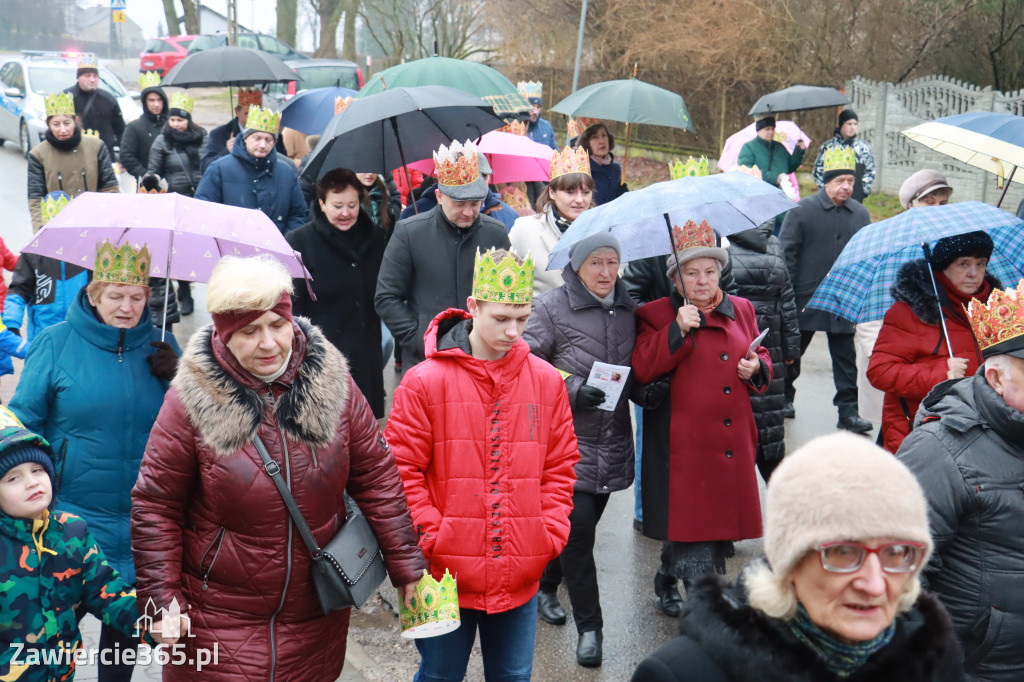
(628, 101)
(472, 77)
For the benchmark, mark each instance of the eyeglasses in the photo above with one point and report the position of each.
(848, 557)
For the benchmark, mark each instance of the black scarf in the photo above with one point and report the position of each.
(181, 139)
(561, 223)
(64, 145)
(353, 241)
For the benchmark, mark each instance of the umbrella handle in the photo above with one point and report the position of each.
(167, 286)
(401, 154)
(938, 299)
(679, 270)
(309, 289)
(1006, 187)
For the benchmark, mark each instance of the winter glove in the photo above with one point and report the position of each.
(588, 397)
(163, 362)
(151, 183)
(655, 393)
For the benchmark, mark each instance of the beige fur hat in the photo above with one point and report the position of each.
(840, 487)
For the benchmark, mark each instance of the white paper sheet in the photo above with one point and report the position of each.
(611, 379)
(757, 342)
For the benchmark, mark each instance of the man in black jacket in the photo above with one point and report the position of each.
(140, 134)
(97, 109)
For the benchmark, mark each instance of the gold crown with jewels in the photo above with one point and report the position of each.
(530, 89)
(121, 266)
(149, 79)
(839, 158)
(999, 321)
(435, 607)
(263, 120)
(457, 165)
(569, 160)
(181, 100)
(341, 104)
(248, 97)
(89, 132)
(748, 170)
(692, 236)
(503, 282)
(514, 127)
(693, 168)
(60, 104)
(52, 204)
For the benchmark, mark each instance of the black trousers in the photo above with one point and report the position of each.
(111, 638)
(844, 371)
(576, 563)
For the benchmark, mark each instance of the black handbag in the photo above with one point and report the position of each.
(350, 568)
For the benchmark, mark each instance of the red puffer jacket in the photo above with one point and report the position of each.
(486, 450)
(210, 530)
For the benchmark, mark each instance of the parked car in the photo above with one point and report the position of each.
(255, 41)
(26, 80)
(316, 73)
(161, 54)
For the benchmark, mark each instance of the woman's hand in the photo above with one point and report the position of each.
(407, 592)
(748, 367)
(173, 634)
(956, 368)
(688, 318)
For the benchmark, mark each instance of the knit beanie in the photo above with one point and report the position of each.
(27, 452)
(579, 251)
(840, 487)
(976, 244)
(847, 115)
(766, 122)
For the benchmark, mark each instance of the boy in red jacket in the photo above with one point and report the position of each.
(482, 433)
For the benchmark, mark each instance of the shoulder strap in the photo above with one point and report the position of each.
(274, 471)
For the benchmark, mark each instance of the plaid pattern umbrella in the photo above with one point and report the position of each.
(857, 287)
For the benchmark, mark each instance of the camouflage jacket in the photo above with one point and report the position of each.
(48, 569)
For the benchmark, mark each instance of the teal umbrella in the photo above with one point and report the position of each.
(472, 77)
(628, 101)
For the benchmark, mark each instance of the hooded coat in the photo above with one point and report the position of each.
(74, 369)
(909, 358)
(140, 134)
(99, 110)
(211, 531)
(486, 453)
(762, 278)
(967, 452)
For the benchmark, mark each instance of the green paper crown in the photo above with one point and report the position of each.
(181, 100)
(692, 168)
(840, 158)
(121, 266)
(435, 607)
(263, 120)
(53, 203)
(504, 282)
(149, 79)
(61, 103)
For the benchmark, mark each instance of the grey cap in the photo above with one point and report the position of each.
(474, 191)
(579, 251)
(485, 166)
(921, 183)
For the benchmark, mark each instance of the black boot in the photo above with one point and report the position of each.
(588, 649)
(550, 609)
(670, 601)
(185, 303)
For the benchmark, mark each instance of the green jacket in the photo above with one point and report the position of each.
(47, 569)
(771, 158)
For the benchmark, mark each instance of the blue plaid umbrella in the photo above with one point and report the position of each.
(730, 202)
(857, 287)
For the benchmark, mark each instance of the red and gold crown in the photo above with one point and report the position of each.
(249, 97)
(457, 165)
(576, 126)
(569, 160)
(341, 104)
(693, 236)
(999, 321)
(514, 127)
(748, 170)
(516, 198)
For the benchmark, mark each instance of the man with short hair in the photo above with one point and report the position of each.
(97, 109)
(140, 134)
(845, 134)
(428, 264)
(482, 435)
(813, 235)
(967, 451)
(769, 155)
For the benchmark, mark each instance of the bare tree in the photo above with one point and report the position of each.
(287, 20)
(420, 28)
(171, 14)
(191, 14)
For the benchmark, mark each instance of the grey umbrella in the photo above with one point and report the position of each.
(799, 97)
(233, 66)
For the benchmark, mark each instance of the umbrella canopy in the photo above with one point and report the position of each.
(857, 287)
(311, 110)
(628, 101)
(472, 77)
(513, 158)
(376, 134)
(797, 97)
(233, 66)
(730, 202)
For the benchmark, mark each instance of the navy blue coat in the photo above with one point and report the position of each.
(607, 181)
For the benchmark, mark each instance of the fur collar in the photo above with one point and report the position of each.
(914, 287)
(227, 409)
(746, 645)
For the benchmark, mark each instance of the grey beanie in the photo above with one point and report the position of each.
(579, 251)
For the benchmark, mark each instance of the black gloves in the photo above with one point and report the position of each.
(655, 393)
(588, 397)
(163, 362)
(150, 183)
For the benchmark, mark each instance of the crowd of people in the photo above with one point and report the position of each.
(500, 452)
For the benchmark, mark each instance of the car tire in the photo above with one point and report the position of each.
(23, 142)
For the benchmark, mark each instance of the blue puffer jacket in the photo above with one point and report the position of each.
(46, 288)
(268, 184)
(88, 384)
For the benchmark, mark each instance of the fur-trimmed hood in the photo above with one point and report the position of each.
(226, 404)
(914, 287)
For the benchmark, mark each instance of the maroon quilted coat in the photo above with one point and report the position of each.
(210, 530)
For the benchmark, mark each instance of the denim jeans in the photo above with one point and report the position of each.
(506, 641)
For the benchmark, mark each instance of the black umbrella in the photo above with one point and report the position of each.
(799, 97)
(376, 134)
(232, 66)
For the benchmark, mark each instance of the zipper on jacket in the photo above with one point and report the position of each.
(85, 182)
(288, 547)
(120, 344)
(60, 181)
(217, 542)
(313, 451)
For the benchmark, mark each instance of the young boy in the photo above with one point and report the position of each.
(483, 437)
(49, 565)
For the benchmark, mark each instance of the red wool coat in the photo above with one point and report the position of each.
(698, 479)
(487, 452)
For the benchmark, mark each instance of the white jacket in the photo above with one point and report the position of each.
(537, 235)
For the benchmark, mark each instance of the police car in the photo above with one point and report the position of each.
(26, 80)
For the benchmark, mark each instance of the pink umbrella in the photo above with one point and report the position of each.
(786, 132)
(513, 158)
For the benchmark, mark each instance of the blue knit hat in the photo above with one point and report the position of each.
(18, 445)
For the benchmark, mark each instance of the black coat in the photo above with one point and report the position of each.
(723, 639)
(345, 268)
(217, 143)
(178, 161)
(140, 134)
(99, 111)
(762, 279)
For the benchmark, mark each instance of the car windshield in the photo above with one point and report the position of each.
(207, 42)
(49, 79)
(327, 77)
(183, 44)
(156, 45)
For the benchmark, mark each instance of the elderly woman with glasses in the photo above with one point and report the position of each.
(839, 598)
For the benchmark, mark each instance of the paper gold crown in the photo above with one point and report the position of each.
(999, 321)
(569, 160)
(89, 132)
(691, 169)
(248, 97)
(263, 120)
(692, 236)
(516, 198)
(840, 158)
(748, 170)
(341, 104)
(60, 104)
(121, 266)
(574, 127)
(181, 100)
(457, 165)
(530, 89)
(504, 282)
(149, 79)
(88, 61)
(435, 607)
(514, 127)
(52, 204)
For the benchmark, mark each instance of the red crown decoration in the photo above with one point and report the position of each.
(569, 160)
(249, 97)
(999, 320)
(747, 170)
(457, 165)
(514, 127)
(341, 104)
(692, 236)
(516, 198)
(576, 126)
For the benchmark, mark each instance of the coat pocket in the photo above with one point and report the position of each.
(975, 656)
(209, 557)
